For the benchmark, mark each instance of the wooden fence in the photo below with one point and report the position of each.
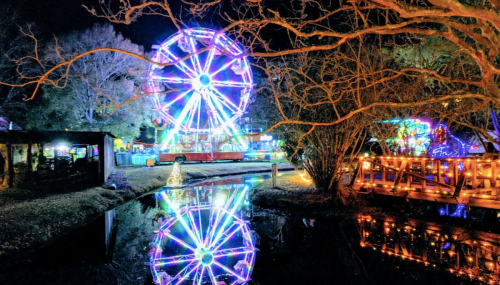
(471, 181)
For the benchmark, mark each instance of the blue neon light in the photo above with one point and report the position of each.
(447, 145)
(460, 211)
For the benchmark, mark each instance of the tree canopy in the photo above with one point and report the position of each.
(95, 87)
(342, 63)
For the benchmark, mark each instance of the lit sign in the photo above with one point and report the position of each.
(266, 138)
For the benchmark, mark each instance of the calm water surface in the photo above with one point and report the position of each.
(444, 245)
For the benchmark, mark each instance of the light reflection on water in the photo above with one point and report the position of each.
(472, 255)
(325, 248)
(203, 237)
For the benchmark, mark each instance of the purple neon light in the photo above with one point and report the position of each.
(202, 243)
(453, 147)
(207, 63)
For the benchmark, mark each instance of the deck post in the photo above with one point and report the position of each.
(399, 175)
(383, 162)
(357, 171)
(460, 184)
(371, 170)
(423, 171)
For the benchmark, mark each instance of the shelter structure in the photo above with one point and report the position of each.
(91, 151)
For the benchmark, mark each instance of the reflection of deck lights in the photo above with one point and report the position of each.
(489, 266)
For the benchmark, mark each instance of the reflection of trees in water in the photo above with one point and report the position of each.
(324, 248)
(317, 251)
(135, 231)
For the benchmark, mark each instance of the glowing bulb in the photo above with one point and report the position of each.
(220, 202)
(175, 205)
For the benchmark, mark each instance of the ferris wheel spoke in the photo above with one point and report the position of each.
(178, 98)
(212, 276)
(228, 218)
(233, 49)
(199, 275)
(233, 252)
(179, 241)
(224, 100)
(226, 122)
(228, 236)
(228, 270)
(220, 109)
(185, 272)
(173, 260)
(193, 224)
(208, 61)
(224, 67)
(212, 226)
(178, 121)
(195, 61)
(218, 112)
(167, 115)
(181, 220)
(173, 80)
(179, 63)
(230, 84)
(191, 114)
(223, 121)
(199, 217)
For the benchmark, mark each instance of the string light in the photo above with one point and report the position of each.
(175, 178)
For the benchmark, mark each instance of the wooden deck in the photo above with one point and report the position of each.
(473, 182)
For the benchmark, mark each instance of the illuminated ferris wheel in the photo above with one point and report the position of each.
(203, 242)
(201, 84)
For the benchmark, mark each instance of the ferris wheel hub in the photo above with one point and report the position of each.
(207, 258)
(204, 79)
(201, 82)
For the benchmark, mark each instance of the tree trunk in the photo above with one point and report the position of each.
(496, 126)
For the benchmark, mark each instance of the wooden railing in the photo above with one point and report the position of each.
(463, 180)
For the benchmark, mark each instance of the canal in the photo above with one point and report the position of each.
(446, 246)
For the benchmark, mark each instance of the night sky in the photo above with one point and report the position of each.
(57, 17)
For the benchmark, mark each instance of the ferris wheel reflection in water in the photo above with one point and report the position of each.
(204, 237)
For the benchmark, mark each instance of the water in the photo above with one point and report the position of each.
(295, 247)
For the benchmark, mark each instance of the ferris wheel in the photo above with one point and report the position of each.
(201, 83)
(202, 242)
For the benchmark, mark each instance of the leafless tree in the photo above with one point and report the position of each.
(454, 78)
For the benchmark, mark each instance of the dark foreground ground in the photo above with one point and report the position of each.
(304, 239)
(31, 219)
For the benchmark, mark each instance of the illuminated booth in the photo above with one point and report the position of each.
(421, 138)
(50, 152)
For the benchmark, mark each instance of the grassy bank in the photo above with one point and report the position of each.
(30, 218)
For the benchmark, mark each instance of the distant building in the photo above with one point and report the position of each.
(38, 152)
